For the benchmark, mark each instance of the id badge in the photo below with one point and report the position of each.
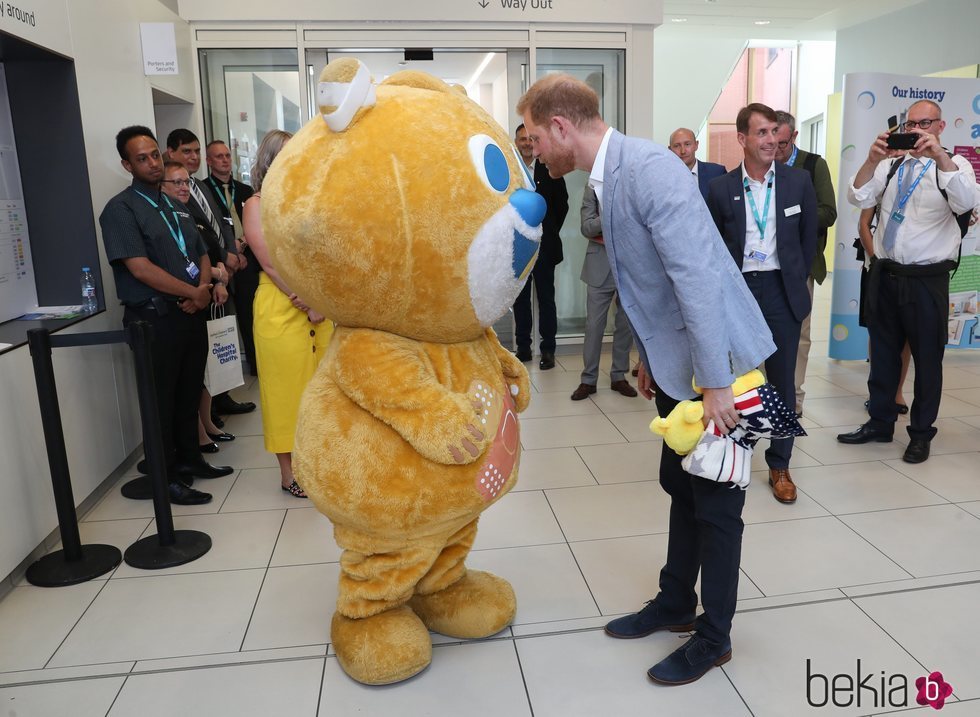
(898, 217)
(192, 271)
(758, 256)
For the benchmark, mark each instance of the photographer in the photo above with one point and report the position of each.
(916, 245)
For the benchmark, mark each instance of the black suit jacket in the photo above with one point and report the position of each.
(556, 197)
(241, 194)
(707, 171)
(796, 233)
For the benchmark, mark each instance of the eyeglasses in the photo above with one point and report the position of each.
(784, 144)
(179, 182)
(924, 124)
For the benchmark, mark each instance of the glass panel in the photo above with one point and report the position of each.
(247, 93)
(603, 71)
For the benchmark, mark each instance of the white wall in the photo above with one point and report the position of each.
(95, 384)
(930, 37)
(687, 79)
(815, 81)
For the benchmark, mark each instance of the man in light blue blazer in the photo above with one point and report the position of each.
(684, 144)
(693, 317)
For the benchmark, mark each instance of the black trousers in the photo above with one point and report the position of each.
(706, 535)
(543, 279)
(767, 288)
(910, 313)
(179, 349)
(246, 282)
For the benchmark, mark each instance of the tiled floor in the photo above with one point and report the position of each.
(874, 571)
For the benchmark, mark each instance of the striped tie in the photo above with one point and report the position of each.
(891, 228)
(206, 209)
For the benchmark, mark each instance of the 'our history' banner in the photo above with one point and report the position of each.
(873, 102)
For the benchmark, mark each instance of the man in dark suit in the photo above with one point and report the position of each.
(767, 215)
(229, 195)
(543, 275)
(684, 145)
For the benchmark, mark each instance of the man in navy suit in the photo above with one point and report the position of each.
(543, 274)
(693, 317)
(684, 145)
(767, 215)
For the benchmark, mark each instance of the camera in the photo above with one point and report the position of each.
(902, 140)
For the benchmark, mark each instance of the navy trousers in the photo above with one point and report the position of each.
(543, 279)
(767, 288)
(705, 535)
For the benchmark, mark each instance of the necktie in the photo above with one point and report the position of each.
(235, 221)
(206, 209)
(891, 228)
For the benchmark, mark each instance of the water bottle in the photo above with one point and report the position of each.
(90, 302)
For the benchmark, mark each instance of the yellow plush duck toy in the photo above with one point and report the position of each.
(403, 212)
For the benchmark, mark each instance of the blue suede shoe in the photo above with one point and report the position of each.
(647, 621)
(690, 661)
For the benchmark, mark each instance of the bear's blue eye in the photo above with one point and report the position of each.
(490, 162)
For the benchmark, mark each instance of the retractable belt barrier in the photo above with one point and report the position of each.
(76, 563)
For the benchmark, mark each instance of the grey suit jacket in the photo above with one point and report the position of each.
(691, 312)
(595, 268)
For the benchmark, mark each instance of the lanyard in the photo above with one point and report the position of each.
(792, 158)
(900, 203)
(759, 222)
(177, 235)
(219, 190)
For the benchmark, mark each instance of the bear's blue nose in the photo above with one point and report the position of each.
(530, 205)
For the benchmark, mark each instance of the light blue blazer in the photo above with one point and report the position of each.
(691, 312)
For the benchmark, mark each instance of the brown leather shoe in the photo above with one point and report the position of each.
(583, 391)
(623, 386)
(783, 488)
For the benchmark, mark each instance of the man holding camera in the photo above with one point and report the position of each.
(916, 245)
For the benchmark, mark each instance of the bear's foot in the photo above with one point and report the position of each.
(378, 650)
(477, 605)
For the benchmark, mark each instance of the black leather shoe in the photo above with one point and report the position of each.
(219, 437)
(183, 494)
(917, 451)
(209, 448)
(143, 468)
(547, 361)
(647, 621)
(524, 355)
(690, 661)
(217, 420)
(202, 470)
(226, 405)
(864, 434)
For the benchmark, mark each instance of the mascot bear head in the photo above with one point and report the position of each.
(406, 210)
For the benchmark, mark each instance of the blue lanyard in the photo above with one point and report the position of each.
(900, 204)
(221, 194)
(761, 223)
(177, 235)
(792, 158)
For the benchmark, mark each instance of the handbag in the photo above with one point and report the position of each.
(223, 371)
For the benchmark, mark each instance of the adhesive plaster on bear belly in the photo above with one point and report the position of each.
(498, 467)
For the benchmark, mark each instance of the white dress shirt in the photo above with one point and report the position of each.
(694, 170)
(753, 242)
(929, 233)
(599, 166)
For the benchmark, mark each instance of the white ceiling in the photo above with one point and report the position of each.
(798, 18)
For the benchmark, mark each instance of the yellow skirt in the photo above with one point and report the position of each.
(288, 348)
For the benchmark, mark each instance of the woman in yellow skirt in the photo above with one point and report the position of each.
(290, 337)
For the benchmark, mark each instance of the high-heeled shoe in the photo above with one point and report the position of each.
(220, 437)
(209, 448)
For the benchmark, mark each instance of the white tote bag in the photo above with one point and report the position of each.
(224, 367)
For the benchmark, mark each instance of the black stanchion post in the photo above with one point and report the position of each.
(74, 563)
(168, 547)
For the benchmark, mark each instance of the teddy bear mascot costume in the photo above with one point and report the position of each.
(404, 214)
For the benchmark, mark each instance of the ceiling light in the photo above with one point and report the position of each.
(479, 71)
(678, 19)
(762, 22)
